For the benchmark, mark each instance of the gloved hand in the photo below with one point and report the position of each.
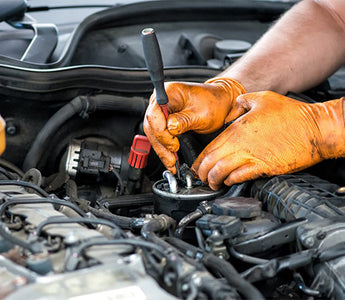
(274, 135)
(203, 108)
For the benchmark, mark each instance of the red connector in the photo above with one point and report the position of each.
(140, 151)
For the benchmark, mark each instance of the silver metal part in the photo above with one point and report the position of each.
(69, 233)
(73, 158)
(36, 214)
(171, 181)
(189, 181)
(115, 280)
(179, 197)
(196, 192)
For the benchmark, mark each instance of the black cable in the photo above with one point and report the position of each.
(7, 174)
(234, 279)
(122, 222)
(32, 247)
(303, 287)
(132, 242)
(247, 258)
(25, 184)
(119, 180)
(199, 238)
(218, 265)
(40, 201)
(73, 259)
(276, 265)
(156, 225)
(39, 145)
(8, 165)
(64, 220)
(128, 201)
(187, 220)
(203, 208)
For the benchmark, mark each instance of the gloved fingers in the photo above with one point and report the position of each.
(221, 170)
(227, 152)
(166, 156)
(155, 127)
(186, 120)
(197, 107)
(204, 161)
(276, 135)
(180, 122)
(246, 172)
(242, 104)
(208, 158)
(235, 113)
(236, 167)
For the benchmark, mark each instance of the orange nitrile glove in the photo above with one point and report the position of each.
(203, 108)
(274, 135)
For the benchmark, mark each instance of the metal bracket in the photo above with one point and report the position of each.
(42, 44)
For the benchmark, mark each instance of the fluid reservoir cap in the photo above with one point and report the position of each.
(140, 151)
(225, 47)
(240, 207)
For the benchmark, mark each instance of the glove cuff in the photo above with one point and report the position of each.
(330, 117)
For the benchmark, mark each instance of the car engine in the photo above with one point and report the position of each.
(87, 210)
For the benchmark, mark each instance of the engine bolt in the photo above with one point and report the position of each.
(11, 128)
(321, 235)
(308, 242)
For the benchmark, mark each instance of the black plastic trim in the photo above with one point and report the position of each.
(132, 81)
(163, 11)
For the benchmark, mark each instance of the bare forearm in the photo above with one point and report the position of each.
(303, 48)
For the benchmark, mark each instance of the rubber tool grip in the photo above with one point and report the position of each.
(153, 59)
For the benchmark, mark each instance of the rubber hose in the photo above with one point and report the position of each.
(87, 221)
(76, 106)
(25, 184)
(159, 224)
(217, 290)
(8, 165)
(34, 176)
(122, 222)
(234, 279)
(60, 117)
(185, 221)
(72, 206)
(128, 201)
(8, 174)
(219, 265)
(71, 190)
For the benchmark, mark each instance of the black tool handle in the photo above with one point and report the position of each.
(153, 59)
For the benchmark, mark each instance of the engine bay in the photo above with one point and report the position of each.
(88, 210)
